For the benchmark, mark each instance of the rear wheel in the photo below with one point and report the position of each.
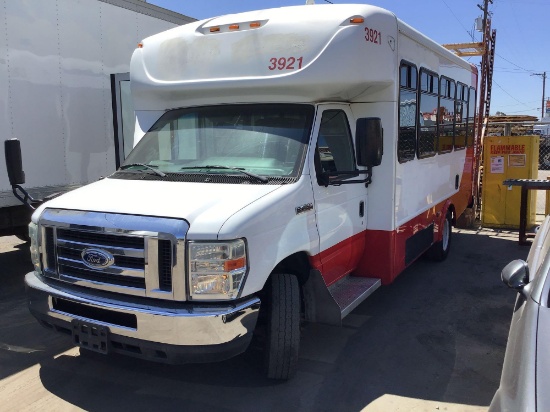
(283, 326)
(440, 250)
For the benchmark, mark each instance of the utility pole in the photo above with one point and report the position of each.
(543, 75)
(485, 10)
(485, 49)
(487, 61)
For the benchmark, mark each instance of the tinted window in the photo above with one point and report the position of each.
(334, 143)
(427, 136)
(446, 116)
(406, 143)
(460, 115)
(470, 124)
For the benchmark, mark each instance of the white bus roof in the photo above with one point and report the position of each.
(301, 53)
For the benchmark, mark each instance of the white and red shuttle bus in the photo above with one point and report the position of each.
(287, 162)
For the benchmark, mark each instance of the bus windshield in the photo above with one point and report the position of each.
(263, 139)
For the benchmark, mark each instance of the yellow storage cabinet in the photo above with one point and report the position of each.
(508, 157)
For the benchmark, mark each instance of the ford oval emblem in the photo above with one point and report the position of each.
(97, 258)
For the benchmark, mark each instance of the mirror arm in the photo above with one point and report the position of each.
(23, 196)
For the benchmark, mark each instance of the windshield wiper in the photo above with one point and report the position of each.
(253, 175)
(157, 172)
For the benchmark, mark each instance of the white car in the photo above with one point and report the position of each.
(526, 370)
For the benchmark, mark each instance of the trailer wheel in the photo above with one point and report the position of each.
(440, 250)
(283, 326)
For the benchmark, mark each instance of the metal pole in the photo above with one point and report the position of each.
(543, 87)
(543, 75)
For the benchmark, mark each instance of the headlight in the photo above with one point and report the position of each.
(217, 269)
(35, 249)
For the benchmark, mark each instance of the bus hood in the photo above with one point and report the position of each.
(205, 206)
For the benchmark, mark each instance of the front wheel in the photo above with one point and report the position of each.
(283, 326)
(440, 250)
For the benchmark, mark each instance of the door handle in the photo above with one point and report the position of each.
(361, 208)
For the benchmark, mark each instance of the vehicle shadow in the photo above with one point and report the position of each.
(438, 333)
(23, 342)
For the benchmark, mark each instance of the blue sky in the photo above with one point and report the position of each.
(522, 46)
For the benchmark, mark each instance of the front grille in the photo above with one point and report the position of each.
(134, 259)
(50, 247)
(102, 239)
(120, 261)
(95, 276)
(165, 265)
(71, 244)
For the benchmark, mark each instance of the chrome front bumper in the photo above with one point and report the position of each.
(162, 331)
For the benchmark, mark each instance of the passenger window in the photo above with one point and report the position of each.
(334, 145)
(447, 115)
(406, 141)
(470, 123)
(460, 116)
(428, 117)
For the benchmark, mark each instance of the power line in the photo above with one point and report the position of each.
(525, 110)
(457, 19)
(519, 67)
(510, 72)
(501, 88)
(512, 105)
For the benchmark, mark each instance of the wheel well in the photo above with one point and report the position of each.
(297, 265)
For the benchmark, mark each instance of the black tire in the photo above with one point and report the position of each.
(283, 326)
(440, 250)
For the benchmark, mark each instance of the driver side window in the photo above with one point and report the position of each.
(334, 146)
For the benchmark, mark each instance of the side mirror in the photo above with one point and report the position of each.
(14, 164)
(369, 141)
(515, 274)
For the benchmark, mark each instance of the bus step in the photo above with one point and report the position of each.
(350, 291)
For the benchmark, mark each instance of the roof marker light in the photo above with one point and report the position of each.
(255, 24)
(140, 45)
(234, 27)
(214, 29)
(357, 20)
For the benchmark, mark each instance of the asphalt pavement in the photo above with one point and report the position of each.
(434, 340)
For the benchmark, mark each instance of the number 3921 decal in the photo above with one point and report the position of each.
(373, 36)
(285, 63)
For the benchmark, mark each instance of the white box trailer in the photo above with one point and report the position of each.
(288, 162)
(62, 65)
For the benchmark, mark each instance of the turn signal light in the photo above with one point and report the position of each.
(233, 264)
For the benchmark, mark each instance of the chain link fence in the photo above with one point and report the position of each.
(544, 152)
